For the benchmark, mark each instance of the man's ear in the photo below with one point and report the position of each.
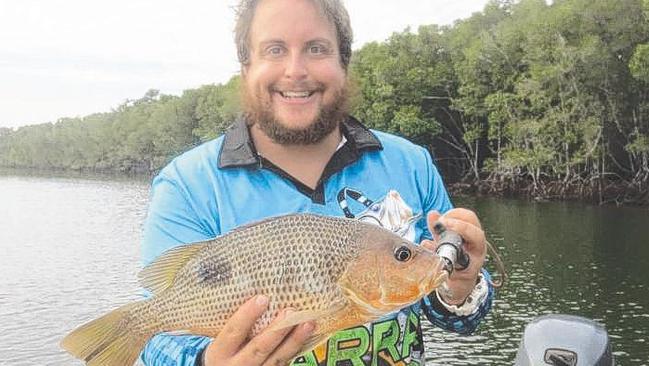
(244, 71)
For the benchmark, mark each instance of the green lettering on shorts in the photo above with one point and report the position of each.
(360, 339)
(410, 337)
(307, 359)
(385, 336)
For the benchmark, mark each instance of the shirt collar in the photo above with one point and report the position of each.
(238, 150)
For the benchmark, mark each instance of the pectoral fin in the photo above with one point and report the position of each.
(304, 316)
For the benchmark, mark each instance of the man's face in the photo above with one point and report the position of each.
(295, 86)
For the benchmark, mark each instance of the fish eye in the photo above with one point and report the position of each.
(402, 254)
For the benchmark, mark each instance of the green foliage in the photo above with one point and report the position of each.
(640, 145)
(521, 90)
(138, 136)
(217, 106)
(395, 77)
(639, 64)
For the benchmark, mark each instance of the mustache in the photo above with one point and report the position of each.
(258, 110)
(303, 85)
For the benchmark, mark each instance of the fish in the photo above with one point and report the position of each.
(337, 272)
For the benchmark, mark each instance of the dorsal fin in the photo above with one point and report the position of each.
(160, 274)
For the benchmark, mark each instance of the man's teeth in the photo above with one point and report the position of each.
(292, 94)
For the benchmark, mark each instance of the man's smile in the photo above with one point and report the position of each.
(296, 94)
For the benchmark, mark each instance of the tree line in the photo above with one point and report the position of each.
(551, 101)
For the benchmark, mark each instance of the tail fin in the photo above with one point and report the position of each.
(107, 341)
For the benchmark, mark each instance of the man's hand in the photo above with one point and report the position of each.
(232, 346)
(465, 223)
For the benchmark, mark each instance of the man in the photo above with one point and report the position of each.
(296, 149)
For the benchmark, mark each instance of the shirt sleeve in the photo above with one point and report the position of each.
(171, 221)
(435, 194)
(441, 317)
(174, 350)
(437, 198)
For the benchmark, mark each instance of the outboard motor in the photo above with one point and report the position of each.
(564, 340)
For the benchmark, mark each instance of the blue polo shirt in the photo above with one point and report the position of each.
(224, 183)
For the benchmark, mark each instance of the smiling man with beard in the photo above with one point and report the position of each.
(297, 149)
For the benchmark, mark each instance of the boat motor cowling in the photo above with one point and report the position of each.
(564, 340)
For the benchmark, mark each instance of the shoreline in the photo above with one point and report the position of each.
(601, 193)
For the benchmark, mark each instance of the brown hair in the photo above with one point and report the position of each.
(334, 10)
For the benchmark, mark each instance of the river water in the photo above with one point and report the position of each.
(69, 249)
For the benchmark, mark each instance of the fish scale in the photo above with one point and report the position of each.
(332, 271)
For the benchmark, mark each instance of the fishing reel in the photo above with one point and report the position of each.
(451, 249)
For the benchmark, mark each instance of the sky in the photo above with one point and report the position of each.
(71, 58)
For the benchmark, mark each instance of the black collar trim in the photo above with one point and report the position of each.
(238, 149)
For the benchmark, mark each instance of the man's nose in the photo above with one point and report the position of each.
(296, 67)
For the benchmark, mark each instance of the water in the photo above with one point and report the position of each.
(561, 258)
(69, 249)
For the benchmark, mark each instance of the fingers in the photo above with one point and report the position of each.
(464, 222)
(429, 244)
(431, 219)
(472, 234)
(465, 215)
(270, 347)
(293, 344)
(235, 332)
(263, 345)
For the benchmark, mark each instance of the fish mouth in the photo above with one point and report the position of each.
(434, 279)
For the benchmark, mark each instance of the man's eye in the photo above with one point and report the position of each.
(275, 50)
(316, 49)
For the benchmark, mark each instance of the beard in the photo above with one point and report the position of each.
(259, 110)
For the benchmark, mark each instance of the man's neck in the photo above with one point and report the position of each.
(306, 163)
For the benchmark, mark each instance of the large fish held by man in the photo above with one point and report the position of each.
(337, 272)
